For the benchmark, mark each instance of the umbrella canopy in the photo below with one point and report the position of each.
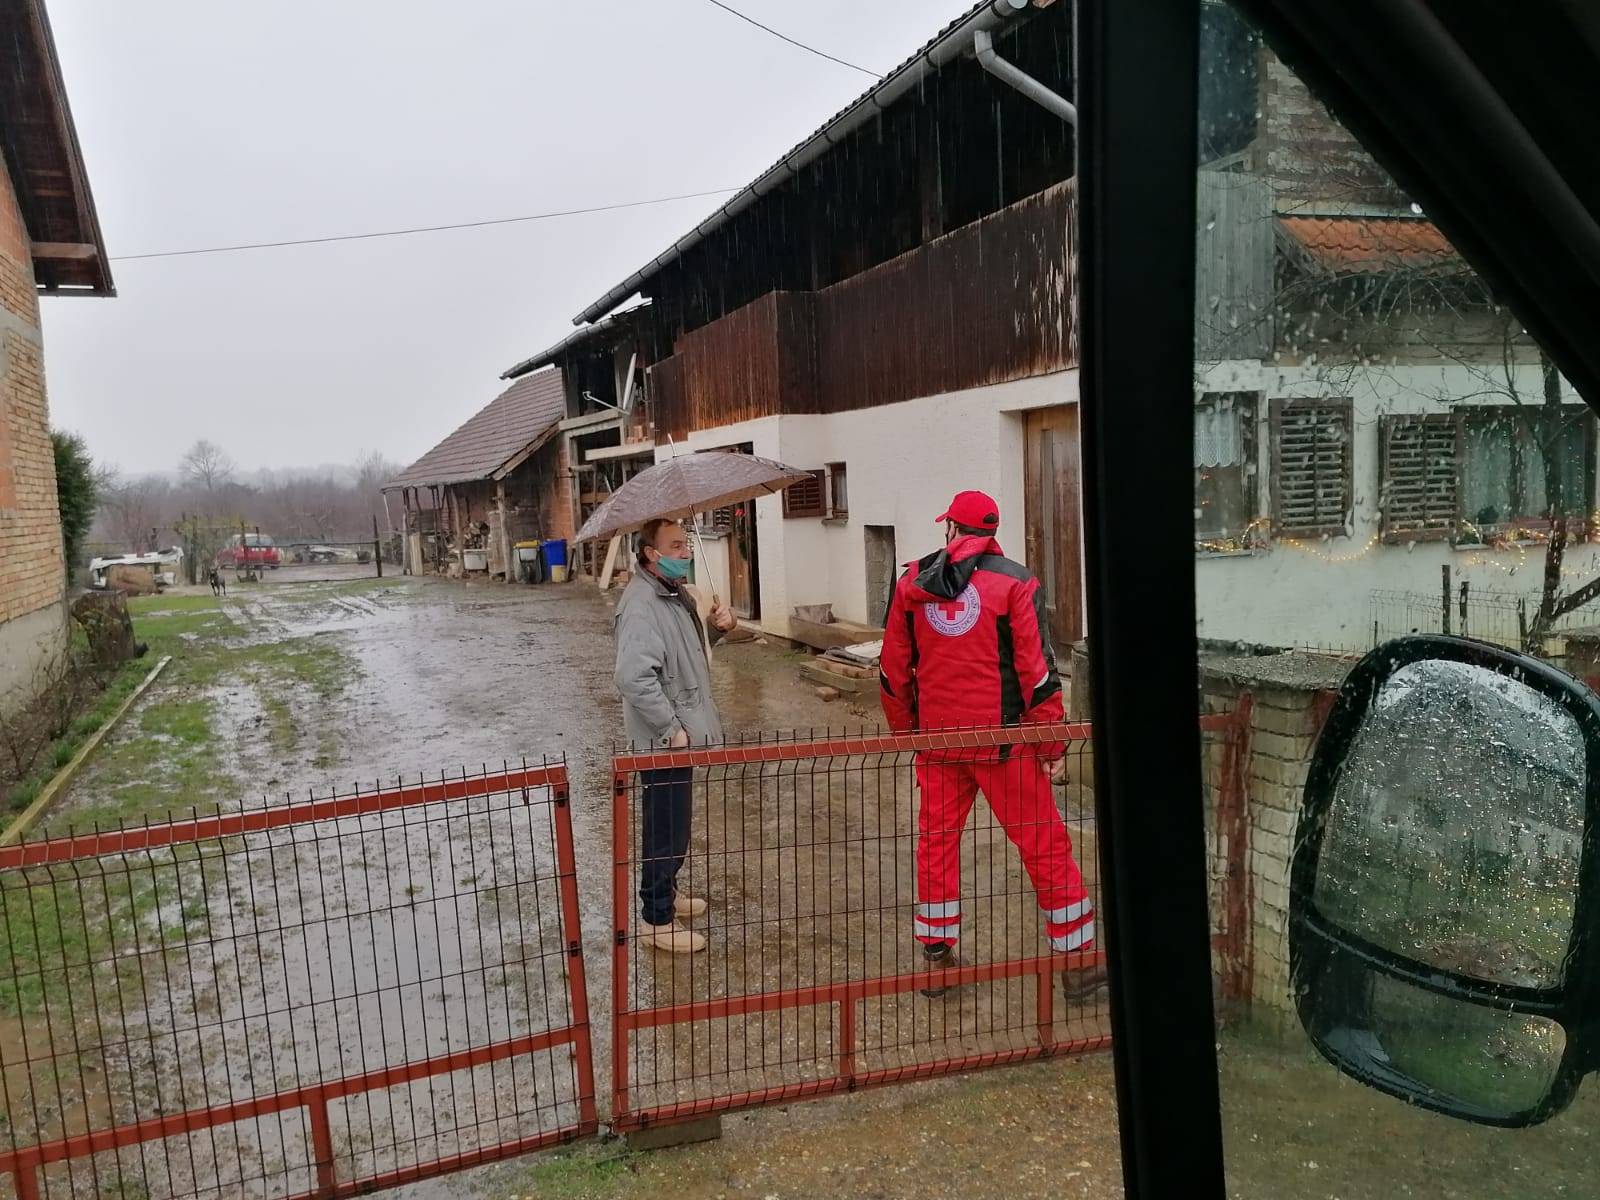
(685, 485)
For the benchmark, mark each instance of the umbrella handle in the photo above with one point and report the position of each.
(700, 554)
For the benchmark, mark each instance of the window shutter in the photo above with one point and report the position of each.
(807, 498)
(838, 491)
(1311, 467)
(1419, 477)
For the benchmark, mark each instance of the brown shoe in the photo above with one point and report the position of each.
(936, 958)
(671, 938)
(1078, 986)
(688, 907)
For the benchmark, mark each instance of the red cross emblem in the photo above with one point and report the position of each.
(956, 616)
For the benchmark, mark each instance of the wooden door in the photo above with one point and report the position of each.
(738, 521)
(743, 580)
(1052, 480)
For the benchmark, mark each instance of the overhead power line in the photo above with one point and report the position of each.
(785, 37)
(388, 233)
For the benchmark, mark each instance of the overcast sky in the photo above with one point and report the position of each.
(209, 124)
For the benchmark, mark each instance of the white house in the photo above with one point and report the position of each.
(893, 307)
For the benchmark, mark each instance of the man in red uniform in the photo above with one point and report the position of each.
(966, 645)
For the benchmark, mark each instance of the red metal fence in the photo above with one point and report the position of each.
(321, 998)
(811, 983)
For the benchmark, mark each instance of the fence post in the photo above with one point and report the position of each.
(572, 928)
(321, 1144)
(620, 905)
(26, 1178)
(1465, 585)
(1445, 571)
(377, 548)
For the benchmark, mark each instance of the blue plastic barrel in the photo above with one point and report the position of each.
(555, 552)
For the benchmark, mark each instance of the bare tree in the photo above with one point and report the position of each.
(133, 509)
(1373, 322)
(207, 464)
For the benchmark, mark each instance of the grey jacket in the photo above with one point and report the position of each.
(664, 664)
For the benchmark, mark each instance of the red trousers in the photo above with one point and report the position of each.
(1019, 792)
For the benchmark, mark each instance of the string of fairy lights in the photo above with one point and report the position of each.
(1514, 539)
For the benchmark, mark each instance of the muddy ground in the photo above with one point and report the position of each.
(289, 685)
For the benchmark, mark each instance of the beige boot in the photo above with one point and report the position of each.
(687, 907)
(671, 938)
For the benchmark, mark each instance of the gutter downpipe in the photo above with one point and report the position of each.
(1009, 73)
(994, 15)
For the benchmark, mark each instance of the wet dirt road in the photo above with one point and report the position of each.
(432, 679)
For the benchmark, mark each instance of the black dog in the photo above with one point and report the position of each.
(219, 585)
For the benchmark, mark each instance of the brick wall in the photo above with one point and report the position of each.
(31, 575)
(1252, 850)
(1309, 155)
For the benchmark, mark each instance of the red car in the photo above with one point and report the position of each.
(248, 550)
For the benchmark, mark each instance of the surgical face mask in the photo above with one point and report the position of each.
(674, 568)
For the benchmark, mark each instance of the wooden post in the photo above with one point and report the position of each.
(611, 562)
(377, 546)
(505, 530)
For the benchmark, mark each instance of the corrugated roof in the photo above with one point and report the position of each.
(1372, 245)
(576, 340)
(784, 169)
(491, 437)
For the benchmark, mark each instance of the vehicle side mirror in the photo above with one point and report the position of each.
(1445, 881)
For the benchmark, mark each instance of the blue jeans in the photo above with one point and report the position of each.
(663, 839)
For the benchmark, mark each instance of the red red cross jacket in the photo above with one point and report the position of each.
(966, 644)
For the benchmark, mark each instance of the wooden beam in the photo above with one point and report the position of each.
(65, 250)
(625, 450)
(527, 452)
(611, 562)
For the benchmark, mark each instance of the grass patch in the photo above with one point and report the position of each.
(1283, 1108)
(172, 756)
(592, 1171)
(160, 606)
(59, 934)
(60, 752)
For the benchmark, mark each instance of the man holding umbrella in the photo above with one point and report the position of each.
(665, 631)
(664, 642)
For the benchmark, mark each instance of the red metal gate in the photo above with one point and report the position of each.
(321, 998)
(810, 985)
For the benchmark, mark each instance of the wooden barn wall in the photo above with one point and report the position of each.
(991, 302)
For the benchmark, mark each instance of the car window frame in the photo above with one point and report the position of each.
(1381, 67)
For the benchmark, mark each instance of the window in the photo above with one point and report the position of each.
(807, 498)
(717, 520)
(838, 492)
(1504, 470)
(1479, 474)
(1417, 475)
(1225, 508)
(1311, 467)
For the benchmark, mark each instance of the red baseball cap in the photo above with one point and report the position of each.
(975, 510)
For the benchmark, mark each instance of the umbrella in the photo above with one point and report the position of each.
(683, 486)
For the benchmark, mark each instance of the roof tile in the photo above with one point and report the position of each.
(1361, 245)
(493, 435)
